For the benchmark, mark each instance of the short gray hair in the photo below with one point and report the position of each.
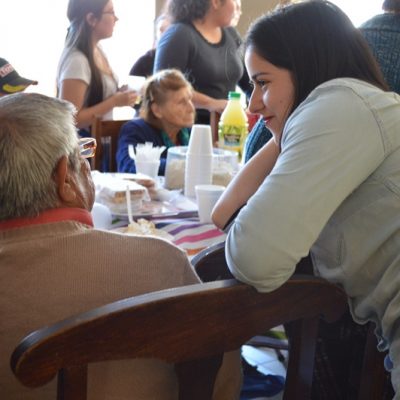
(35, 132)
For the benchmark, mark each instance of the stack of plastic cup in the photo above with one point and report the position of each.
(199, 158)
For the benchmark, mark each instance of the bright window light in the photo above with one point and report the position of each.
(360, 10)
(33, 35)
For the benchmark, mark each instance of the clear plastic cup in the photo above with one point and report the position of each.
(149, 168)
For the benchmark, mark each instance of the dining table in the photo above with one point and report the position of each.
(174, 218)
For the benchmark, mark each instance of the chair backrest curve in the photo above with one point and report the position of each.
(213, 317)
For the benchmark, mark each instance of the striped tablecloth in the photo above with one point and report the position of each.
(189, 234)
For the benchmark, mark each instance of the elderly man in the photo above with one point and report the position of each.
(53, 264)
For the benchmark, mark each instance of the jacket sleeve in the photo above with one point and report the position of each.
(131, 133)
(330, 145)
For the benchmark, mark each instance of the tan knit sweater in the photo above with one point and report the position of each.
(52, 271)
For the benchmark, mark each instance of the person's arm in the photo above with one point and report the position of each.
(74, 91)
(245, 184)
(324, 159)
(205, 102)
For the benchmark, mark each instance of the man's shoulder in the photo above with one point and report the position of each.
(382, 22)
(138, 244)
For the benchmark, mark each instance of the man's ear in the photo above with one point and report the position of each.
(64, 182)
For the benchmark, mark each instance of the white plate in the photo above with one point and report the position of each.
(179, 207)
(157, 233)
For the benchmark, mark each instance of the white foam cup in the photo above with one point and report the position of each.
(198, 170)
(200, 141)
(206, 198)
(102, 218)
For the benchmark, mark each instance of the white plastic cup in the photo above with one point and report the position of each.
(135, 82)
(102, 218)
(200, 141)
(149, 168)
(198, 170)
(206, 198)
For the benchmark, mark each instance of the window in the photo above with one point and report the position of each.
(33, 34)
(360, 10)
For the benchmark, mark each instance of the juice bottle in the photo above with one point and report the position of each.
(233, 125)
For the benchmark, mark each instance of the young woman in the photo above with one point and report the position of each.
(167, 113)
(329, 181)
(85, 77)
(202, 44)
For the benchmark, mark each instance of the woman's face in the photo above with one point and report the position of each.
(226, 10)
(273, 92)
(104, 25)
(178, 109)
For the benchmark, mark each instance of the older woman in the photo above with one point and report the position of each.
(84, 76)
(166, 114)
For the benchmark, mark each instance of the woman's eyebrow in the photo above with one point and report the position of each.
(255, 76)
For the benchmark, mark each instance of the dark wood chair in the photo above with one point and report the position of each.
(106, 133)
(374, 382)
(190, 326)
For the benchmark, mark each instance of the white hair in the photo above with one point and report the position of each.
(35, 132)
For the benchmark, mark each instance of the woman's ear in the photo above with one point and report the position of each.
(215, 4)
(65, 183)
(91, 19)
(156, 110)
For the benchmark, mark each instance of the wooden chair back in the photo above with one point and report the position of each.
(210, 264)
(190, 326)
(106, 133)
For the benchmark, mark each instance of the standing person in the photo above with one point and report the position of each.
(10, 81)
(329, 181)
(166, 116)
(382, 33)
(145, 64)
(202, 44)
(84, 76)
(54, 264)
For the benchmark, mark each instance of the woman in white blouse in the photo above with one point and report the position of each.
(84, 76)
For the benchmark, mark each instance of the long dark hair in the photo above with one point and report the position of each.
(79, 37)
(316, 42)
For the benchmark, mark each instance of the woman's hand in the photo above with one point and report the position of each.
(217, 105)
(125, 98)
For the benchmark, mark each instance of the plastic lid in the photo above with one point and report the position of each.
(234, 95)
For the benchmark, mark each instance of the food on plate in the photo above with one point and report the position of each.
(112, 193)
(145, 227)
(139, 178)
